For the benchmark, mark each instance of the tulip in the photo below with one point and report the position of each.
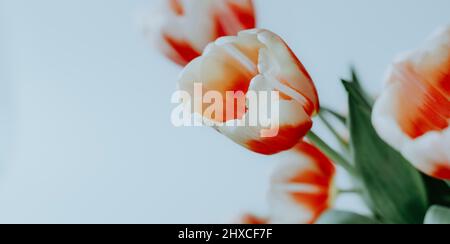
(302, 186)
(187, 26)
(413, 112)
(255, 61)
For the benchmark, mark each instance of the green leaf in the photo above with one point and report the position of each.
(438, 215)
(346, 218)
(392, 187)
(355, 93)
(359, 86)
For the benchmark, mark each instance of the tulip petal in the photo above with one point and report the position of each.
(293, 124)
(302, 186)
(288, 69)
(217, 70)
(434, 149)
(187, 26)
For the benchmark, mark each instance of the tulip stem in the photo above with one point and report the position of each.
(349, 191)
(331, 153)
(338, 116)
(341, 140)
(448, 182)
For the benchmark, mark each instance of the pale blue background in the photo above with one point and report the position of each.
(85, 107)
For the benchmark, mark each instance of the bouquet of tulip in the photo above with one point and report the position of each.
(398, 151)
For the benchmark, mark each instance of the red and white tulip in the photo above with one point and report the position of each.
(302, 187)
(413, 112)
(256, 60)
(185, 27)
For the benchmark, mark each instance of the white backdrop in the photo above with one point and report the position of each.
(85, 107)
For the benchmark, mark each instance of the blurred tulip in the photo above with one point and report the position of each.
(413, 112)
(257, 61)
(302, 187)
(185, 27)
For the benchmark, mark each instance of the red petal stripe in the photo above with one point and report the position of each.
(423, 103)
(253, 220)
(442, 171)
(183, 51)
(177, 7)
(316, 203)
(245, 15)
